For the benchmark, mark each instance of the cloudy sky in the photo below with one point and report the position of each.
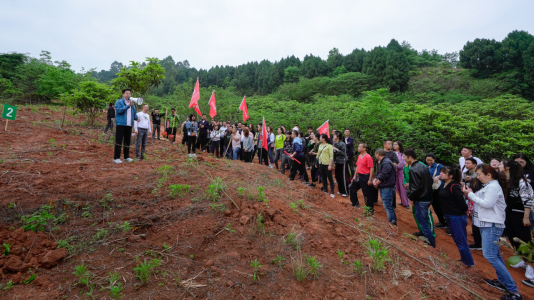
(93, 34)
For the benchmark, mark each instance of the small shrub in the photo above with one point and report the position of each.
(259, 223)
(8, 285)
(178, 190)
(7, 248)
(299, 269)
(241, 191)
(229, 228)
(101, 234)
(279, 261)
(293, 207)
(261, 197)
(367, 211)
(84, 276)
(106, 201)
(144, 269)
(301, 204)
(358, 267)
(125, 227)
(32, 277)
(340, 255)
(378, 254)
(256, 266)
(293, 239)
(314, 266)
(215, 189)
(38, 220)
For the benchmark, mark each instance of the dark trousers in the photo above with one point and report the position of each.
(157, 127)
(109, 126)
(341, 178)
(191, 143)
(326, 175)
(515, 228)
(436, 204)
(367, 191)
(457, 225)
(300, 168)
(350, 164)
(314, 172)
(215, 147)
(476, 235)
(184, 137)
(142, 135)
(262, 156)
(123, 137)
(202, 142)
(171, 131)
(221, 146)
(248, 156)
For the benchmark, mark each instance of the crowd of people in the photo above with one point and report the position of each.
(498, 198)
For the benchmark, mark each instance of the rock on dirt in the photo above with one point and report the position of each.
(13, 263)
(51, 258)
(42, 280)
(244, 220)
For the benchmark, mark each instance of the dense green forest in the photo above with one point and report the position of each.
(480, 96)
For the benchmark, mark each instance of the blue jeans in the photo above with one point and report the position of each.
(421, 212)
(458, 225)
(491, 252)
(270, 154)
(387, 201)
(236, 151)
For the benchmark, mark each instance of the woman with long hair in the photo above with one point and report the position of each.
(192, 132)
(495, 163)
(528, 170)
(342, 169)
(399, 150)
(325, 156)
(454, 209)
(490, 215)
(519, 199)
(288, 149)
(262, 152)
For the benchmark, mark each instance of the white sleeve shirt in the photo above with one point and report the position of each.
(462, 162)
(144, 123)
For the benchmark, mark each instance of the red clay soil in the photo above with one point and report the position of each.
(205, 246)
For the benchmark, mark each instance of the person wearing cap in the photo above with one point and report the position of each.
(125, 115)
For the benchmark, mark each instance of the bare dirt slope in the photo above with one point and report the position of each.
(113, 217)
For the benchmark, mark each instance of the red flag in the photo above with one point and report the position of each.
(195, 97)
(213, 107)
(197, 109)
(243, 107)
(323, 129)
(264, 135)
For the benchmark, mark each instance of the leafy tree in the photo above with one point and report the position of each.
(339, 70)
(9, 62)
(90, 98)
(291, 74)
(138, 78)
(353, 83)
(335, 59)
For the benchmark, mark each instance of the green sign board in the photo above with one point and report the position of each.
(9, 112)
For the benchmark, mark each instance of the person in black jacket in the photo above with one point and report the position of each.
(420, 192)
(385, 182)
(455, 211)
(203, 133)
(110, 117)
(342, 170)
(156, 122)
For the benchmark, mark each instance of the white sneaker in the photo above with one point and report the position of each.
(332, 196)
(270, 166)
(344, 195)
(129, 160)
(335, 182)
(118, 161)
(520, 264)
(194, 155)
(338, 192)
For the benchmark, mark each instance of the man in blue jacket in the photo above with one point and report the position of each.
(385, 182)
(125, 115)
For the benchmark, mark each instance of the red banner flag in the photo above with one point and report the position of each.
(243, 107)
(213, 107)
(195, 97)
(264, 136)
(197, 109)
(323, 129)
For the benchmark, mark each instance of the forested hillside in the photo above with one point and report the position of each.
(480, 96)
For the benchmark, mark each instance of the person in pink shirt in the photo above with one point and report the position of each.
(397, 147)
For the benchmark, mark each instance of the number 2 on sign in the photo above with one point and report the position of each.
(9, 113)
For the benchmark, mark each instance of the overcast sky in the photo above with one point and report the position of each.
(93, 34)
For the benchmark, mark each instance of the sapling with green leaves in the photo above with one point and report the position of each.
(259, 223)
(229, 228)
(314, 266)
(340, 254)
(301, 204)
(84, 276)
(279, 260)
(358, 267)
(378, 254)
(256, 266)
(293, 207)
(143, 270)
(7, 248)
(261, 195)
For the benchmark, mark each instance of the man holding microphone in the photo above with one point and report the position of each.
(142, 130)
(125, 115)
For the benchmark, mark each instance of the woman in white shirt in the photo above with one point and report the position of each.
(489, 215)
(215, 136)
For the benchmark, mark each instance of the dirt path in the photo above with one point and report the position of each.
(195, 233)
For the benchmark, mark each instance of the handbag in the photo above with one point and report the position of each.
(318, 157)
(436, 185)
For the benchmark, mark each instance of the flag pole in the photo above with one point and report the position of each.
(232, 120)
